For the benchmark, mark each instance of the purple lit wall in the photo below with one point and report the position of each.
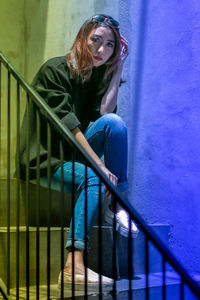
(163, 76)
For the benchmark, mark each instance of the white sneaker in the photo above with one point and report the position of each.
(122, 222)
(93, 282)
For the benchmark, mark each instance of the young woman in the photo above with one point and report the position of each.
(82, 88)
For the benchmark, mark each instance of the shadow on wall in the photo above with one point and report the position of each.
(23, 32)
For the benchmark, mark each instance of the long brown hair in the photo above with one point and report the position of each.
(79, 59)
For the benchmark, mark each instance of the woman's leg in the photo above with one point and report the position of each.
(83, 185)
(108, 136)
(88, 188)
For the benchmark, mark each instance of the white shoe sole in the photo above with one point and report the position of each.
(79, 282)
(91, 287)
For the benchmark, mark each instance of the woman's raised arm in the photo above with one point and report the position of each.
(109, 100)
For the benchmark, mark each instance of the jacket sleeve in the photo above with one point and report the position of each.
(53, 85)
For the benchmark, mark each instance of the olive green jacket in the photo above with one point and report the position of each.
(76, 105)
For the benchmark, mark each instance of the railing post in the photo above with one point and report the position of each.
(49, 211)
(164, 278)
(0, 109)
(100, 240)
(147, 266)
(62, 215)
(114, 247)
(18, 190)
(73, 223)
(85, 236)
(130, 260)
(182, 289)
(8, 183)
(38, 205)
(27, 196)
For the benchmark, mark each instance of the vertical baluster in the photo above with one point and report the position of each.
(38, 204)
(27, 195)
(85, 237)
(1, 290)
(130, 260)
(8, 183)
(182, 289)
(73, 223)
(49, 211)
(18, 189)
(114, 247)
(147, 266)
(164, 278)
(0, 111)
(100, 241)
(62, 214)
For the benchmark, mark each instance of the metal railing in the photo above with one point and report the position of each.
(19, 89)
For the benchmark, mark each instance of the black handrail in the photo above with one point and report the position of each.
(67, 135)
(3, 289)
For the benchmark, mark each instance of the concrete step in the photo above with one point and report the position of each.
(55, 256)
(122, 250)
(155, 258)
(15, 188)
(138, 289)
(55, 253)
(122, 262)
(18, 191)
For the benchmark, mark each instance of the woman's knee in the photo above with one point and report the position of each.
(115, 123)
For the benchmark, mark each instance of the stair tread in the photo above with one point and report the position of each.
(138, 283)
(31, 228)
(41, 228)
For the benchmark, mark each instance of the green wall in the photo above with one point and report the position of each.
(32, 31)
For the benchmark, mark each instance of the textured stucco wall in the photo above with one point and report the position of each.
(55, 25)
(12, 31)
(22, 40)
(12, 45)
(52, 30)
(164, 169)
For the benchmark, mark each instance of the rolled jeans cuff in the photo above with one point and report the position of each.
(78, 244)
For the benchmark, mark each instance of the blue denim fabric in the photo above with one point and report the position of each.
(107, 136)
(92, 187)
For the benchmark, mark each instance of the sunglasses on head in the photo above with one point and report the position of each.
(106, 20)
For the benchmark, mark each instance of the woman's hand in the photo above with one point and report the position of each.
(109, 100)
(84, 143)
(113, 179)
(124, 49)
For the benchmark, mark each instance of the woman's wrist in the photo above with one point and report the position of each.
(100, 164)
(117, 75)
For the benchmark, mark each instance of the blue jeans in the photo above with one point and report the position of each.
(107, 136)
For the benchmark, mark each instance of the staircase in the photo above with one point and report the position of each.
(122, 287)
(31, 256)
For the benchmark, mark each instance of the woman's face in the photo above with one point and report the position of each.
(101, 43)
